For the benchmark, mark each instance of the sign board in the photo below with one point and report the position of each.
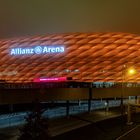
(37, 50)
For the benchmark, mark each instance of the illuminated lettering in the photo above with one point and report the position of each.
(53, 50)
(13, 52)
(37, 50)
(62, 49)
(45, 50)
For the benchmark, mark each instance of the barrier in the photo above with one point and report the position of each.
(132, 107)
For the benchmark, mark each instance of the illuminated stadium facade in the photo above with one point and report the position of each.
(86, 57)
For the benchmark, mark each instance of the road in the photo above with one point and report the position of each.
(133, 134)
(96, 125)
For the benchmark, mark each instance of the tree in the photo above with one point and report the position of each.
(36, 126)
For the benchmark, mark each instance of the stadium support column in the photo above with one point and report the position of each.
(107, 105)
(89, 99)
(136, 99)
(67, 108)
(11, 108)
(129, 122)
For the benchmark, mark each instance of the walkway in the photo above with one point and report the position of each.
(62, 125)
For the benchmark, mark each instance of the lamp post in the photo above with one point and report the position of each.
(122, 92)
(129, 72)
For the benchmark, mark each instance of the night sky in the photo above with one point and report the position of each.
(36, 17)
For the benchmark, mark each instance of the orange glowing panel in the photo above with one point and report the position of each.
(83, 56)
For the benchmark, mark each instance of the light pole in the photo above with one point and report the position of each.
(129, 72)
(122, 92)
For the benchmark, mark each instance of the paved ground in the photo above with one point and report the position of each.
(132, 134)
(109, 129)
(10, 133)
(60, 126)
(97, 125)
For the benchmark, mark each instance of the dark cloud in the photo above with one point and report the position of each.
(34, 17)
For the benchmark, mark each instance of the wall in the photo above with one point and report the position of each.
(9, 96)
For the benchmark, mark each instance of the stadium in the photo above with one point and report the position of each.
(85, 57)
(72, 67)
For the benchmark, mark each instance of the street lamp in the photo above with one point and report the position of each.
(129, 72)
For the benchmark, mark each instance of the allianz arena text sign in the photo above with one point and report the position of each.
(37, 50)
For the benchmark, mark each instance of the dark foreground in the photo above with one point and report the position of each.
(104, 130)
(109, 129)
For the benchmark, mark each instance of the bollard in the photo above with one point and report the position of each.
(129, 115)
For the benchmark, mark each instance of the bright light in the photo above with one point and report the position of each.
(131, 71)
